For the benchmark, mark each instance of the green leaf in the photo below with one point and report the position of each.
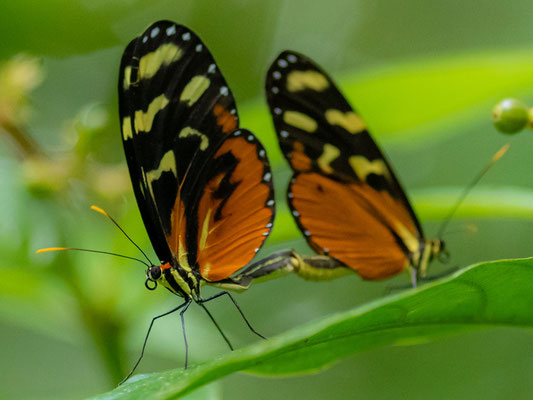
(483, 295)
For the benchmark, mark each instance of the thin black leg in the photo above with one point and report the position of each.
(148, 334)
(216, 324)
(187, 304)
(238, 308)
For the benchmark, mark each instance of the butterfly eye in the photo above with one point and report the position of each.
(154, 273)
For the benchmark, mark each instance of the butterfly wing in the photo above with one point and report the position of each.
(185, 152)
(234, 209)
(344, 194)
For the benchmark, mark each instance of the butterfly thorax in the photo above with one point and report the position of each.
(429, 249)
(176, 279)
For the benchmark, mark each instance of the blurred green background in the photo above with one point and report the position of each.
(425, 76)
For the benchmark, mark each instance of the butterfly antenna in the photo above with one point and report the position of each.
(90, 251)
(98, 209)
(470, 186)
(470, 228)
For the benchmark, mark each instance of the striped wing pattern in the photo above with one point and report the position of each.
(201, 182)
(344, 194)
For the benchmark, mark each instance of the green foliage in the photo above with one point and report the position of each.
(483, 295)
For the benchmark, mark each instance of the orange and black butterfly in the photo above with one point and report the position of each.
(203, 185)
(344, 194)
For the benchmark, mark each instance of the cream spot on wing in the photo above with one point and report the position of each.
(164, 55)
(329, 154)
(127, 77)
(349, 120)
(300, 121)
(144, 120)
(194, 89)
(188, 131)
(301, 80)
(167, 164)
(127, 133)
(364, 167)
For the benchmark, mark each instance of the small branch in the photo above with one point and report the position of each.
(24, 144)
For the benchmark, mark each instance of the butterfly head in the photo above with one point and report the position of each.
(153, 274)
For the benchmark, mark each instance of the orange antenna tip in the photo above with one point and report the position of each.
(50, 249)
(499, 154)
(98, 209)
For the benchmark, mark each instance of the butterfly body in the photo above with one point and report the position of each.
(344, 194)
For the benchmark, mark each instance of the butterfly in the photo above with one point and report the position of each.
(344, 195)
(202, 184)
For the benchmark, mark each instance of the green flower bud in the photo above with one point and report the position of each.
(510, 116)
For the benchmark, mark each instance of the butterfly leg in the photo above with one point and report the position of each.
(185, 304)
(238, 308)
(218, 326)
(276, 265)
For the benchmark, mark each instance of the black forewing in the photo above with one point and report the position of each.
(175, 110)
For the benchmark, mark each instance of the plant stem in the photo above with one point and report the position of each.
(24, 144)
